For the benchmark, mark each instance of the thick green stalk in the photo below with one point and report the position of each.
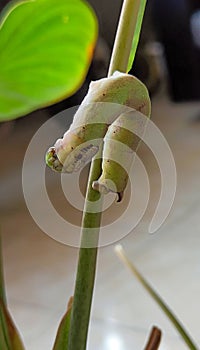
(124, 37)
(85, 277)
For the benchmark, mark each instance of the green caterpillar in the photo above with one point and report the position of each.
(106, 113)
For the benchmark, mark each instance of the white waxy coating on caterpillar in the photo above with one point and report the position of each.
(106, 100)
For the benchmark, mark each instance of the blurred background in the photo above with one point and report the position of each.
(40, 272)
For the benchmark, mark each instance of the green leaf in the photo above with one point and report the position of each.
(9, 337)
(171, 316)
(2, 284)
(45, 50)
(61, 341)
(136, 33)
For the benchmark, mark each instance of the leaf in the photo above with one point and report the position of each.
(2, 283)
(9, 337)
(171, 316)
(61, 341)
(136, 33)
(45, 50)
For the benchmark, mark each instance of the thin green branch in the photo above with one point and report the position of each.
(177, 324)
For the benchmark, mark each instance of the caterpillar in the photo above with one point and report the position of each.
(105, 114)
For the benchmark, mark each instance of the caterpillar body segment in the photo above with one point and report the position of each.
(120, 145)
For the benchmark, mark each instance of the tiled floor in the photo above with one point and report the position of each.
(40, 272)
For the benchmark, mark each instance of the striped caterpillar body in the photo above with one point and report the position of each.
(105, 113)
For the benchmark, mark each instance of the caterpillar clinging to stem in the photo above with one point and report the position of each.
(111, 112)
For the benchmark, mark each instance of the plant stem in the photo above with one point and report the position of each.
(91, 222)
(2, 284)
(85, 277)
(124, 36)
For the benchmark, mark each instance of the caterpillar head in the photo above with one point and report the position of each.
(52, 160)
(74, 161)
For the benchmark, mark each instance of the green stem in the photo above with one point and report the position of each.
(2, 284)
(85, 277)
(124, 36)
